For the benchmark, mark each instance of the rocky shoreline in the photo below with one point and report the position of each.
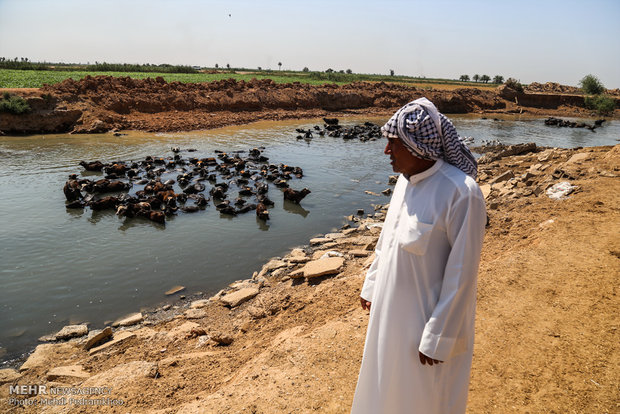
(289, 338)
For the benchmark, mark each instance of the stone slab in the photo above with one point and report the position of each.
(69, 372)
(237, 298)
(71, 331)
(195, 313)
(132, 319)
(118, 339)
(101, 336)
(174, 289)
(322, 267)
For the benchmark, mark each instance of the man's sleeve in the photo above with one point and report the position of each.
(450, 328)
(369, 282)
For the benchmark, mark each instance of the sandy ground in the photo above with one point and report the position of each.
(546, 327)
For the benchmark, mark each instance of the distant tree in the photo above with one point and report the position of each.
(305, 69)
(280, 65)
(341, 71)
(592, 85)
(329, 70)
(514, 84)
(464, 78)
(485, 78)
(259, 68)
(476, 77)
(217, 66)
(498, 79)
(349, 71)
(228, 66)
(391, 72)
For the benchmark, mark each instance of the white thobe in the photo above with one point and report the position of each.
(422, 285)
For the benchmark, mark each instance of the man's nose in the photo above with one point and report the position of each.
(387, 150)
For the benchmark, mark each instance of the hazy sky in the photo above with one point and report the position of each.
(542, 40)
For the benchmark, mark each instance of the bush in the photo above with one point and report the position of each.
(13, 104)
(590, 84)
(603, 104)
(514, 84)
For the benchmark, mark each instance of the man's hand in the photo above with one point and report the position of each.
(365, 304)
(428, 360)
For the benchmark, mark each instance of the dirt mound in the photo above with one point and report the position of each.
(551, 87)
(104, 103)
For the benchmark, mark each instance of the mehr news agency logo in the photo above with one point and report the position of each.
(41, 395)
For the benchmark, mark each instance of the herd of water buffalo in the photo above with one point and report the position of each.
(166, 186)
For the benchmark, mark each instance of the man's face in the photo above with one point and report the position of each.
(403, 161)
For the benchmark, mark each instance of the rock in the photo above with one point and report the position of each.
(392, 179)
(322, 267)
(330, 245)
(195, 313)
(507, 175)
(387, 191)
(578, 158)
(71, 331)
(359, 253)
(333, 236)
(238, 297)
(117, 339)
(298, 252)
(360, 212)
(67, 373)
(486, 190)
(122, 375)
(197, 304)
(372, 193)
(181, 331)
(299, 259)
(297, 274)
(101, 336)
(319, 240)
(222, 338)
(9, 375)
(45, 354)
(132, 319)
(174, 289)
(546, 155)
(348, 232)
(166, 307)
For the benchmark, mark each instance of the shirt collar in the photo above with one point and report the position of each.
(416, 178)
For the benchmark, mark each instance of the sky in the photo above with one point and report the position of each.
(531, 41)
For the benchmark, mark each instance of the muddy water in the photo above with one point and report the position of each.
(60, 266)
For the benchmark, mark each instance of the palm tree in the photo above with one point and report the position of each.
(476, 77)
(280, 65)
(485, 78)
(498, 79)
(464, 78)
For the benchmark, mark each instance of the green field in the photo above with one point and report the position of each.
(11, 78)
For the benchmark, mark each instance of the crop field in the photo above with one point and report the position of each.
(12, 78)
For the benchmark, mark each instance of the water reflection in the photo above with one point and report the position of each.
(295, 208)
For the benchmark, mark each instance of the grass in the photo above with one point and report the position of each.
(11, 78)
(13, 104)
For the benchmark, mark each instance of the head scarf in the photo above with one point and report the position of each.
(429, 135)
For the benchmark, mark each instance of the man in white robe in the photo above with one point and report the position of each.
(421, 287)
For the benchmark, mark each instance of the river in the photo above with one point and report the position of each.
(63, 267)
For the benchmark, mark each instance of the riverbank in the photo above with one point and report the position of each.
(105, 103)
(290, 339)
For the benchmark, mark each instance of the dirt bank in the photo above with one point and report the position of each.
(105, 103)
(287, 340)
